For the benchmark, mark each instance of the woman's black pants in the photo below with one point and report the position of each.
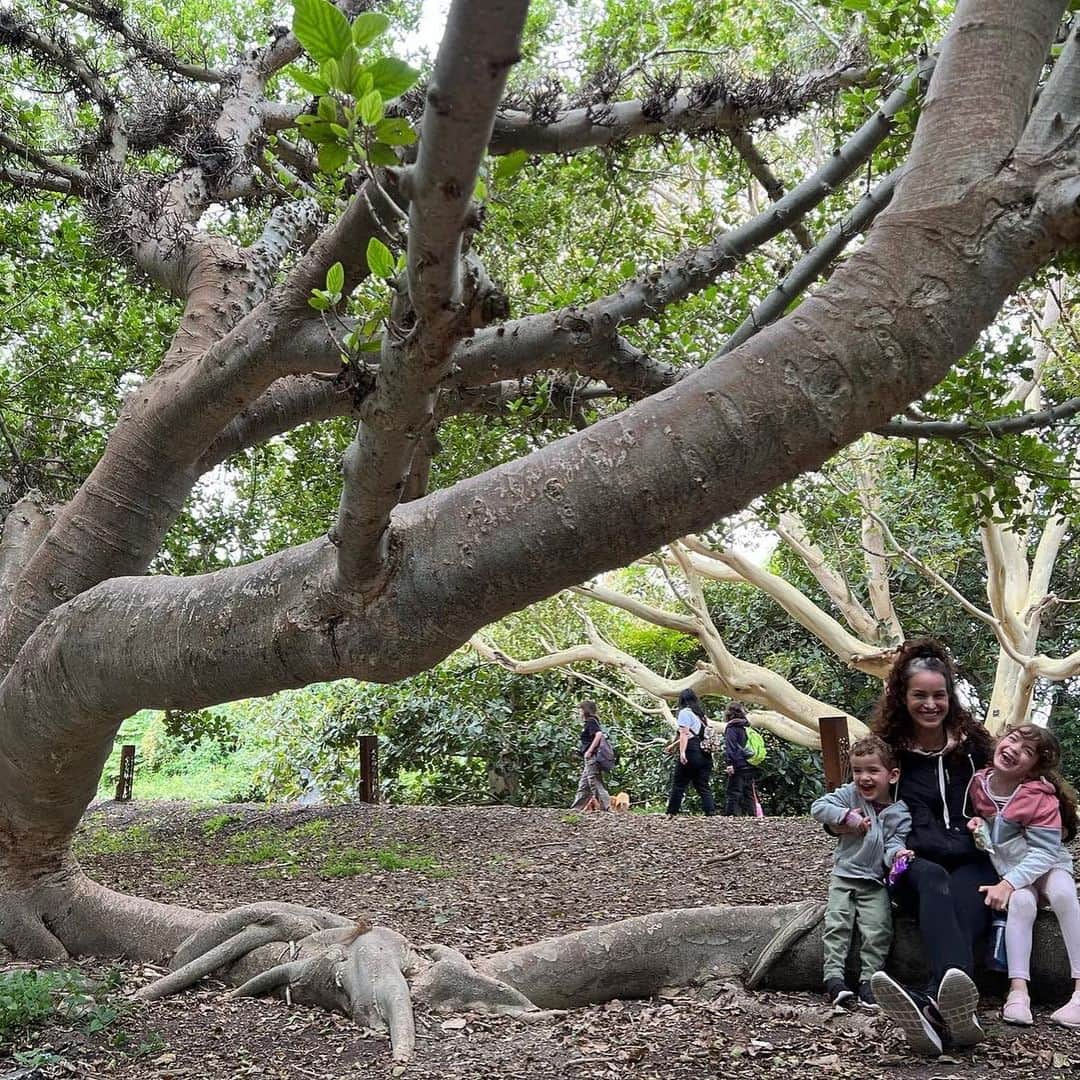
(953, 916)
(696, 771)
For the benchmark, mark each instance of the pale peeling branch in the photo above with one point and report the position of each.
(877, 567)
(869, 658)
(995, 624)
(792, 531)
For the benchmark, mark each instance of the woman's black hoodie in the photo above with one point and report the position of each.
(935, 786)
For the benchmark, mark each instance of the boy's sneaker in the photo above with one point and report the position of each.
(1069, 1013)
(866, 997)
(838, 993)
(958, 998)
(915, 1013)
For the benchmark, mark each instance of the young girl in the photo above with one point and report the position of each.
(1029, 809)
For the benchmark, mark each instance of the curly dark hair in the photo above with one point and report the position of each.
(891, 719)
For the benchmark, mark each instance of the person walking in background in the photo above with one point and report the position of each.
(1028, 809)
(740, 773)
(693, 764)
(590, 785)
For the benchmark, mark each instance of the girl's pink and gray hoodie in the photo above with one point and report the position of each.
(1026, 833)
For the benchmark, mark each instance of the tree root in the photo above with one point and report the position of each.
(233, 935)
(373, 974)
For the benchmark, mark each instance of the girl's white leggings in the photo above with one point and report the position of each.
(1058, 888)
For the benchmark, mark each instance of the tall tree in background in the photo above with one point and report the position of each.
(274, 219)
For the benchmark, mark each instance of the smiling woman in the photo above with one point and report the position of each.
(939, 747)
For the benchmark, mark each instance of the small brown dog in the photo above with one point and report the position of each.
(619, 803)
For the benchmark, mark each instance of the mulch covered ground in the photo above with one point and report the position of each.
(483, 879)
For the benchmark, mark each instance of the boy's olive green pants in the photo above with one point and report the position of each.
(861, 902)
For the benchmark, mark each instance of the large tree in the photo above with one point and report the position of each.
(264, 213)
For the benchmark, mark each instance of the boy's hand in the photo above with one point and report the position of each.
(857, 821)
(975, 823)
(997, 896)
(904, 853)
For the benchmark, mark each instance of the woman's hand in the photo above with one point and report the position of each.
(730, 770)
(997, 896)
(975, 823)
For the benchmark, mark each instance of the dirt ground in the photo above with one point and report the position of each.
(482, 879)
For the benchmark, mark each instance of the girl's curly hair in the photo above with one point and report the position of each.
(891, 719)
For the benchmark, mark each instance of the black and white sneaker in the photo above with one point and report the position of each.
(958, 998)
(915, 1014)
(838, 993)
(866, 997)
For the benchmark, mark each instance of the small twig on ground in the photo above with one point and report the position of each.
(727, 856)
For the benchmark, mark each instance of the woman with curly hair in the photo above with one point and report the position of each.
(939, 747)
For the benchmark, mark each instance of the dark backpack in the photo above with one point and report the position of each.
(606, 757)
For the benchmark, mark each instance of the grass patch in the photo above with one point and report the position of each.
(212, 826)
(176, 877)
(29, 999)
(311, 830)
(257, 846)
(133, 840)
(572, 818)
(351, 862)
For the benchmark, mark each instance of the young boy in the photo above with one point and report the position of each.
(857, 893)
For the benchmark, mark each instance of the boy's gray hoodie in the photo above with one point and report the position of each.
(870, 855)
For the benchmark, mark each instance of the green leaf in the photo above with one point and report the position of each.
(380, 259)
(627, 268)
(371, 108)
(395, 130)
(509, 166)
(367, 27)
(480, 191)
(320, 28)
(318, 300)
(306, 81)
(392, 77)
(335, 278)
(332, 155)
(361, 83)
(331, 73)
(317, 132)
(381, 154)
(327, 109)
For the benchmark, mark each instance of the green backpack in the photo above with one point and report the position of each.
(755, 747)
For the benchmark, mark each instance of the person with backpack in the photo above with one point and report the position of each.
(744, 751)
(693, 764)
(591, 784)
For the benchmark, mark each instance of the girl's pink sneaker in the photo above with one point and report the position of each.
(1017, 1009)
(1069, 1013)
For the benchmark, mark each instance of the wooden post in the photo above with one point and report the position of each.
(834, 749)
(369, 768)
(126, 780)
